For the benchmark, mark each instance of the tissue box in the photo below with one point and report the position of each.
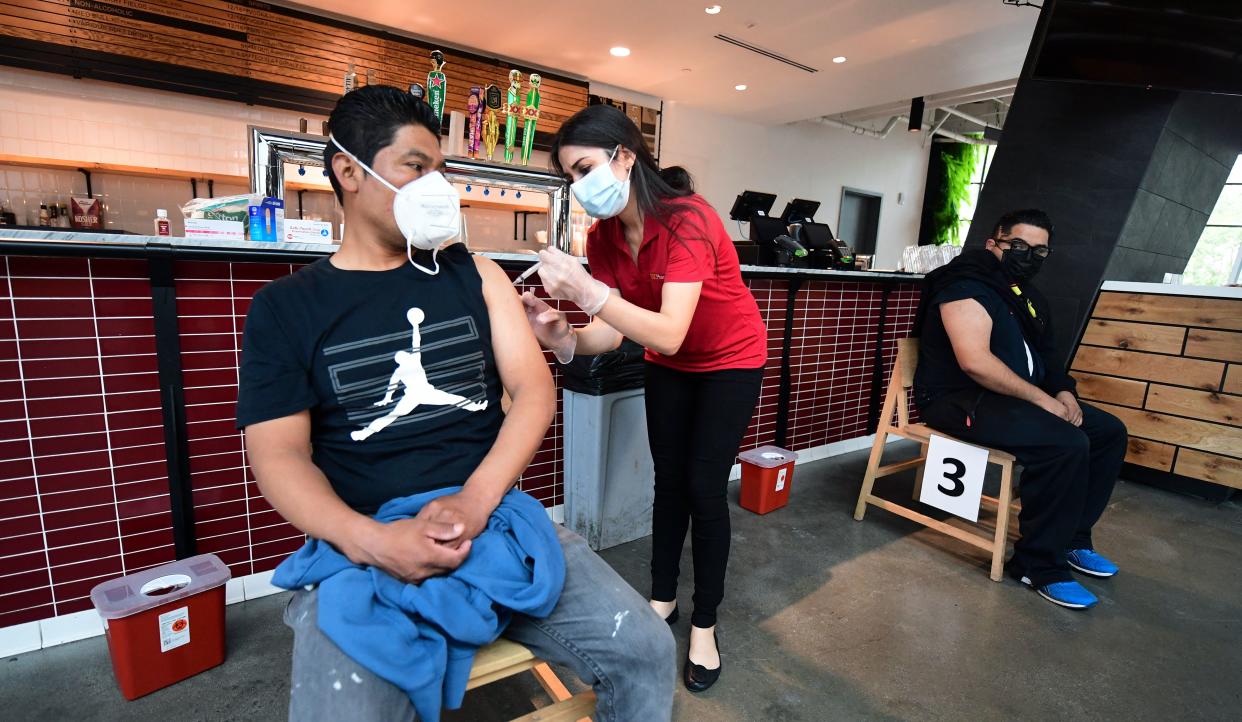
(215, 230)
(299, 231)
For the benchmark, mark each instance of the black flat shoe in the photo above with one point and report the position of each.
(673, 616)
(698, 678)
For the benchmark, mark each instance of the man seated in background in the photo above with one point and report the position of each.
(987, 374)
(377, 374)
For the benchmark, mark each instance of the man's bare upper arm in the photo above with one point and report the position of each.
(969, 328)
(286, 434)
(518, 356)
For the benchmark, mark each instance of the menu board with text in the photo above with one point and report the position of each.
(248, 51)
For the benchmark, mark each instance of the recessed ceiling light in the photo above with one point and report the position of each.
(620, 52)
(839, 59)
(740, 87)
(712, 9)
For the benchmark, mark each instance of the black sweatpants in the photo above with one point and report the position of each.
(695, 422)
(1068, 472)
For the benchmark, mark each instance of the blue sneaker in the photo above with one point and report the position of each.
(1088, 562)
(1067, 594)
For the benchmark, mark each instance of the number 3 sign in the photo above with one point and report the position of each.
(953, 477)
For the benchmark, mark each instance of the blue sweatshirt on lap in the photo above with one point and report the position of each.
(423, 637)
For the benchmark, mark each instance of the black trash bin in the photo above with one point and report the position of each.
(618, 370)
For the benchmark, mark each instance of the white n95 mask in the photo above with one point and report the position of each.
(600, 193)
(427, 211)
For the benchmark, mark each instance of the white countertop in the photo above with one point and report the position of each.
(1170, 289)
(86, 240)
(76, 238)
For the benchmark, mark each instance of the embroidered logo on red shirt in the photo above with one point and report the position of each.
(657, 276)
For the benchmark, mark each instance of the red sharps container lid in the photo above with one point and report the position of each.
(144, 590)
(768, 457)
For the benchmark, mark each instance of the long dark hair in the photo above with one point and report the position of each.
(660, 193)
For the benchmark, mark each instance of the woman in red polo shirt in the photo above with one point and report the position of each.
(664, 273)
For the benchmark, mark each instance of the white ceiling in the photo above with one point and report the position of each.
(897, 49)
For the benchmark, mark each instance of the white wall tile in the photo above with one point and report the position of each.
(260, 585)
(70, 627)
(234, 591)
(20, 638)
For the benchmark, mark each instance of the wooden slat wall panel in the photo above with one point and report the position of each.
(1134, 336)
(1170, 367)
(1223, 345)
(1206, 405)
(1177, 310)
(279, 52)
(1233, 380)
(1150, 367)
(1125, 392)
(1200, 435)
(1210, 467)
(1152, 454)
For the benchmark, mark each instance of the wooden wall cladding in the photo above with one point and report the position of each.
(248, 51)
(1170, 367)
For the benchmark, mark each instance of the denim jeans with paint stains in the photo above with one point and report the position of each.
(601, 629)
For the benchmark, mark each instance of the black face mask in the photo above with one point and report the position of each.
(1021, 266)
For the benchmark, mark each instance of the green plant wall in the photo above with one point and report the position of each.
(957, 168)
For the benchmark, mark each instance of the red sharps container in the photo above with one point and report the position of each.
(767, 473)
(164, 624)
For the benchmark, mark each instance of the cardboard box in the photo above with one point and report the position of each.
(215, 230)
(300, 231)
(266, 220)
(85, 214)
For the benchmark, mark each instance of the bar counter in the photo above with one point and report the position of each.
(118, 379)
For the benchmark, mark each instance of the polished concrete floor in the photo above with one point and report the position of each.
(830, 619)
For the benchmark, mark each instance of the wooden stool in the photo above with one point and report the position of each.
(503, 658)
(897, 399)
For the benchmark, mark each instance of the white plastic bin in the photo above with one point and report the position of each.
(609, 476)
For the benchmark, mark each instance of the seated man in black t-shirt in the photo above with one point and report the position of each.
(376, 374)
(986, 374)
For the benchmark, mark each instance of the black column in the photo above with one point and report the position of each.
(786, 389)
(172, 397)
(1128, 176)
(877, 366)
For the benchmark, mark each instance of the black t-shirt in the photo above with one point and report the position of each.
(395, 366)
(939, 373)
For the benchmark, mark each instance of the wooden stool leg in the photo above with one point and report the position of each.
(873, 465)
(1002, 520)
(551, 684)
(918, 477)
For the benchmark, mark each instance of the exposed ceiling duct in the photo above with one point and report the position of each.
(966, 116)
(892, 123)
(992, 91)
(861, 121)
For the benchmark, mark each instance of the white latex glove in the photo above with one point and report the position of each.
(550, 327)
(565, 279)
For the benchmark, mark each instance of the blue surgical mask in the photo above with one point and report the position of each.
(600, 193)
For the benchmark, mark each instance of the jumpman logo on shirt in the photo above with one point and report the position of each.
(418, 390)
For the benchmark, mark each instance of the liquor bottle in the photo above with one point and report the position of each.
(44, 215)
(351, 78)
(64, 216)
(162, 227)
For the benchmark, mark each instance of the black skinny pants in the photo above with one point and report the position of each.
(1068, 471)
(695, 422)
